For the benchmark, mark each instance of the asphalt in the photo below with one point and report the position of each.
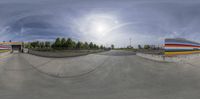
(108, 75)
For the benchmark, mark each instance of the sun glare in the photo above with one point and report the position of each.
(97, 26)
(100, 24)
(100, 28)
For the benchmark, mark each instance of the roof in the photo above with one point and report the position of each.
(10, 43)
(180, 40)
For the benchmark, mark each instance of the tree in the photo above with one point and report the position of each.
(101, 47)
(73, 44)
(27, 45)
(112, 46)
(69, 44)
(86, 45)
(79, 45)
(63, 41)
(32, 44)
(146, 46)
(47, 44)
(53, 45)
(35, 44)
(41, 44)
(58, 43)
(95, 46)
(82, 45)
(139, 47)
(91, 45)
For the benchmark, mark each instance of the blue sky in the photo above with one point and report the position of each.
(101, 21)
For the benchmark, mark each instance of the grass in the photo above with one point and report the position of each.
(3, 51)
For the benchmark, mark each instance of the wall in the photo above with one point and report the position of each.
(5, 47)
(175, 47)
(162, 58)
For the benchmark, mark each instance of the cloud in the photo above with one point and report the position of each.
(144, 21)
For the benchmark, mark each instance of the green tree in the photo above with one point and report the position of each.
(57, 43)
(53, 45)
(63, 41)
(79, 45)
(86, 45)
(91, 46)
(82, 45)
(32, 44)
(73, 44)
(139, 47)
(47, 44)
(27, 45)
(35, 44)
(101, 47)
(95, 46)
(41, 45)
(112, 46)
(146, 46)
(69, 43)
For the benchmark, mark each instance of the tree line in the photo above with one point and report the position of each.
(62, 43)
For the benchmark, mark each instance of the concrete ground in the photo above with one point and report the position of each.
(108, 75)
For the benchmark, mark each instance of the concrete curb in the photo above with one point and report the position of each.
(162, 58)
(152, 57)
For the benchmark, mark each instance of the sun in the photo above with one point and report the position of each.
(100, 24)
(100, 27)
(96, 26)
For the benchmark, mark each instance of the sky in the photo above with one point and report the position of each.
(101, 21)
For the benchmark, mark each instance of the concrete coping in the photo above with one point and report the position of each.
(168, 59)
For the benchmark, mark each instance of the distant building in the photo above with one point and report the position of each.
(3, 47)
(14, 46)
(130, 47)
(179, 46)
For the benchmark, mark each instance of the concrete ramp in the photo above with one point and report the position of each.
(66, 67)
(194, 61)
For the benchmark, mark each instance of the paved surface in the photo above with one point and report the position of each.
(110, 75)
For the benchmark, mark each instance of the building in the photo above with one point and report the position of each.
(179, 46)
(13, 46)
(3, 47)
